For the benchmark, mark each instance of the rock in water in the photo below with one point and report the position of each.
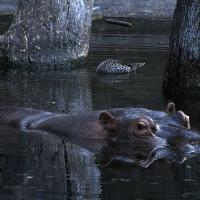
(114, 66)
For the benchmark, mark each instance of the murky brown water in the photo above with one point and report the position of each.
(43, 167)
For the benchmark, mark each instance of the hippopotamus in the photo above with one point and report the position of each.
(129, 135)
(114, 66)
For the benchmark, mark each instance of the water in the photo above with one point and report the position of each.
(39, 166)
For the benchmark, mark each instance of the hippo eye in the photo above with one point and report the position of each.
(140, 126)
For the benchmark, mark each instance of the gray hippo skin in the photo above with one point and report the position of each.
(136, 136)
(114, 66)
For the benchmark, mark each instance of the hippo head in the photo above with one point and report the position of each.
(132, 140)
(143, 137)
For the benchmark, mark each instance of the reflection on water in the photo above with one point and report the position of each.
(62, 91)
(84, 176)
(43, 166)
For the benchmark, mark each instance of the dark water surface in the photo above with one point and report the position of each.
(39, 166)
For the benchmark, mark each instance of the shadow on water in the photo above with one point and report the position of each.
(43, 166)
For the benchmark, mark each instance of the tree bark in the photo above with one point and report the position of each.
(47, 32)
(182, 74)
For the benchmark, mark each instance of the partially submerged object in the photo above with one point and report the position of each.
(118, 22)
(134, 136)
(114, 66)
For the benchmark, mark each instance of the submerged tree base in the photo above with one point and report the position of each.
(182, 74)
(47, 31)
(28, 66)
(184, 82)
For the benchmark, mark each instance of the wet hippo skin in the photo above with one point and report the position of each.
(123, 123)
(126, 123)
(133, 135)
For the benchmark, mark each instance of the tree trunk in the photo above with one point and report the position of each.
(182, 74)
(47, 32)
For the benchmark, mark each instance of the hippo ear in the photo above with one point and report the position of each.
(107, 121)
(185, 119)
(171, 108)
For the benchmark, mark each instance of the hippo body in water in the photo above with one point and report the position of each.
(131, 135)
(114, 66)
